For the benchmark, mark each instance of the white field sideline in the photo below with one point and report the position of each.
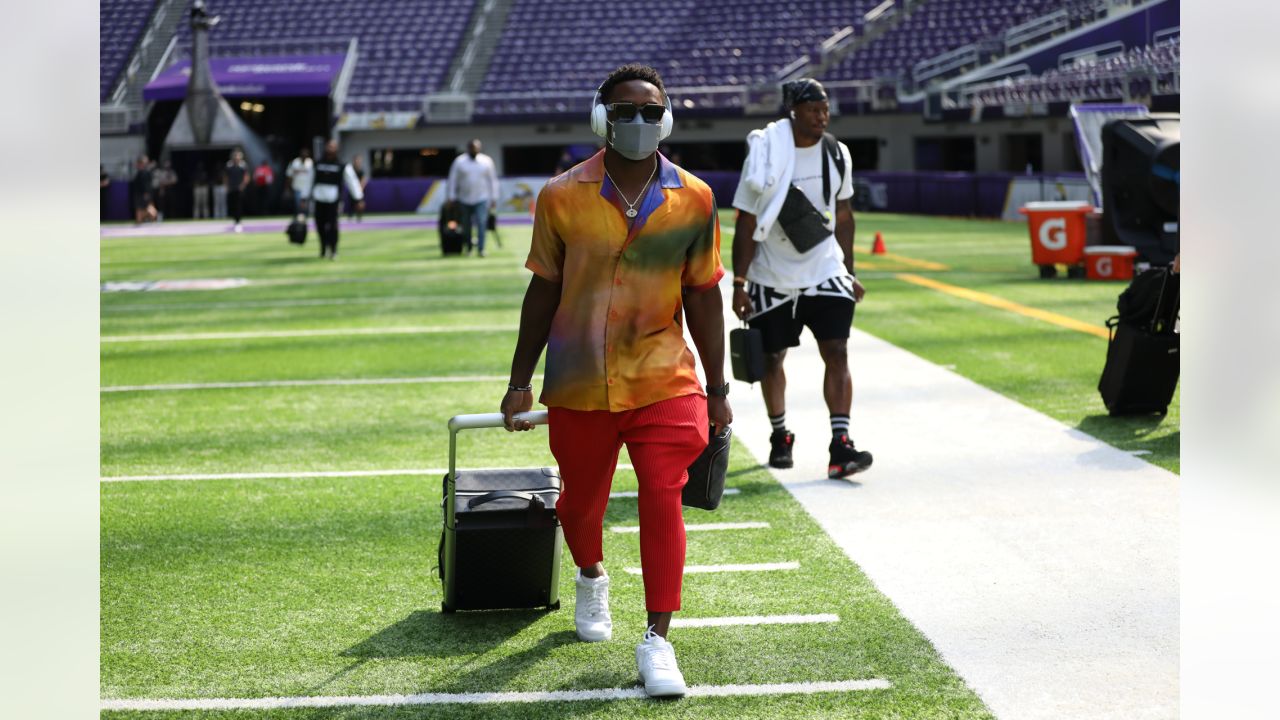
(336, 382)
(320, 332)
(750, 567)
(708, 527)
(295, 302)
(635, 693)
(307, 474)
(755, 620)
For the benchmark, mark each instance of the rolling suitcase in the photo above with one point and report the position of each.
(297, 230)
(453, 236)
(1141, 372)
(500, 544)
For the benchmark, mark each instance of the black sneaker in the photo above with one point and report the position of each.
(846, 460)
(780, 443)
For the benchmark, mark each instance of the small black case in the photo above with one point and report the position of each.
(707, 474)
(746, 354)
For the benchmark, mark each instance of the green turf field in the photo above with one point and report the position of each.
(324, 586)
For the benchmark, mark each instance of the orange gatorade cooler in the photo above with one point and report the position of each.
(1057, 231)
(1109, 262)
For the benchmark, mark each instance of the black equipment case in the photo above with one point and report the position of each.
(500, 544)
(297, 230)
(453, 236)
(1143, 363)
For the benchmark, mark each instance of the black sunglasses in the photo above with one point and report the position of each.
(626, 111)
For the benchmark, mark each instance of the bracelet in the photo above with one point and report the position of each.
(739, 281)
(525, 388)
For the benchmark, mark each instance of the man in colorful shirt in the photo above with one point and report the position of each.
(623, 245)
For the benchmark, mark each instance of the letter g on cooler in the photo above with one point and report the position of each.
(1053, 233)
(1104, 267)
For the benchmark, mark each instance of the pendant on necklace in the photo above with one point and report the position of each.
(631, 212)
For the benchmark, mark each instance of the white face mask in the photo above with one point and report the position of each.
(635, 140)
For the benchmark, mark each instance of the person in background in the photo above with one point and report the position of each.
(200, 193)
(237, 179)
(219, 187)
(356, 209)
(331, 175)
(104, 191)
(302, 173)
(263, 178)
(781, 289)
(473, 183)
(141, 189)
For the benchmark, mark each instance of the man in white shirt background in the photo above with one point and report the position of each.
(473, 186)
(783, 284)
(302, 174)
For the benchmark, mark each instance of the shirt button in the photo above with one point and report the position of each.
(610, 381)
(613, 314)
(617, 281)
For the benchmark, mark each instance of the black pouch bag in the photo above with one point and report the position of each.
(800, 220)
(746, 354)
(707, 474)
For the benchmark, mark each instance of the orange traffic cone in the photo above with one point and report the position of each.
(877, 248)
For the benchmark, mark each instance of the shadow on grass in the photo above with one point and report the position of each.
(1136, 432)
(431, 633)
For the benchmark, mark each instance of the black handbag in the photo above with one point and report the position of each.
(707, 474)
(804, 226)
(746, 354)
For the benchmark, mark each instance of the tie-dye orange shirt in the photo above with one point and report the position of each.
(617, 341)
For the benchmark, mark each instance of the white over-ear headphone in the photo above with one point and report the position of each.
(600, 117)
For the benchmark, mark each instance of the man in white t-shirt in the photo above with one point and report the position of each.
(801, 275)
(473, 185)
(302, 174)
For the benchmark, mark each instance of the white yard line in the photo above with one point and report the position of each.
(635, 494)
(699, 528)
(634, 693)
(1038, 560)
(302, 474)
(320, 332)
(305, 383)
(755, 620)
(749, 567)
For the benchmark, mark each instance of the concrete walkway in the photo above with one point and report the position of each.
(1041, 562)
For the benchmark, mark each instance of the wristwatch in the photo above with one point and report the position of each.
(718, 390)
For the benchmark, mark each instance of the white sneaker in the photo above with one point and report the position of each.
(239, 228)
(657, 662)
(591, 609)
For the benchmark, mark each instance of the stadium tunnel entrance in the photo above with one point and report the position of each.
(285, 124)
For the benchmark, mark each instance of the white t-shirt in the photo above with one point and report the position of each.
(302, 173)
(777, 263)
(472, 180)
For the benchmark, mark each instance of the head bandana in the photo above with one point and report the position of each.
(803, 91)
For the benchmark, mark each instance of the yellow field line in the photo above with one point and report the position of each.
(1001, 303)
(904, 260)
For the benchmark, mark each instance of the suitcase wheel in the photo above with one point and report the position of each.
(1075, 272)
(554, 606)
(445, 608)
(1048, 271)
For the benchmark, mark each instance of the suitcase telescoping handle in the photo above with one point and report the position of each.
(471, 422)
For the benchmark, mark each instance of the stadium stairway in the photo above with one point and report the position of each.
(1041, 562)
(471, 64)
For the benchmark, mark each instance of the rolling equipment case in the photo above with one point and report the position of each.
(500, 544)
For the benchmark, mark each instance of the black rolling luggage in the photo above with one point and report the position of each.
(297, 230)
(500, 544)
(1142, 367)
(453, 236)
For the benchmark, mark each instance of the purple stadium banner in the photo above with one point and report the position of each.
(264, 76)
